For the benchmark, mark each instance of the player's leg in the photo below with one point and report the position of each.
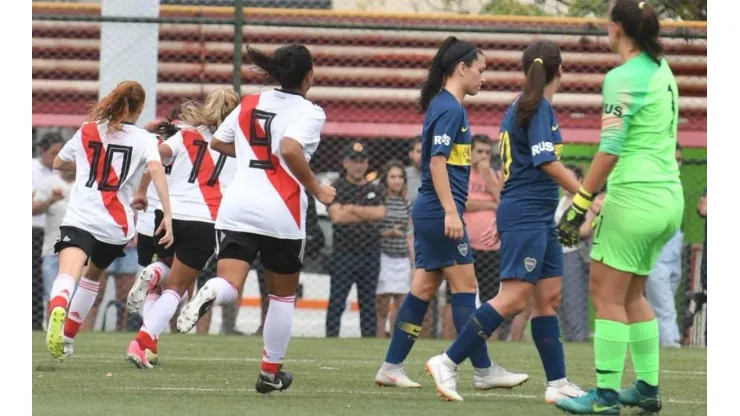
(153, 274)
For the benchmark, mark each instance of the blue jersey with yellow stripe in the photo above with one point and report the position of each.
(530, 196)
(446, 132)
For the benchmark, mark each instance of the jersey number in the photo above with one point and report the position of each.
(505, 152)
(98, 150)
(202, 149)
(259, 137)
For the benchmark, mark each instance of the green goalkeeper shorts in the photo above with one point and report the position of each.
(634, 225)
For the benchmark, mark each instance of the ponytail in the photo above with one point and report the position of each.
(217, 106)
(541, 62)
(119, 105)
(640, 22)
(165, 128)
(435, 76)
(287, 66)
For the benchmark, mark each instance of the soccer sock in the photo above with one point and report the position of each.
(476, 331)
(61, 291)
(463, 305)
(160, 271)
(407, 328)
(546, 336)
(610, 350)
(277, 331)
(225, 291)
(80, 306)
(149, 302)
(159, 315)
(645, 347)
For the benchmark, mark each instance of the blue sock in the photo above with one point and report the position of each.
(476, 331)
(463, 305)
(406, 329)
(546, 336)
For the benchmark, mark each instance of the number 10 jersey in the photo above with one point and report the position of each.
(264, 197)
(109, 167)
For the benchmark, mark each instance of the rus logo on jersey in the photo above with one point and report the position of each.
(443, 139)
(542, 147)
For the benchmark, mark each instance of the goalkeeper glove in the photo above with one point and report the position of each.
(570, 223)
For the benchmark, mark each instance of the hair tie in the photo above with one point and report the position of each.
(539, 60)
(641, 5)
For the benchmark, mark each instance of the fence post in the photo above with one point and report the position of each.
(238, 24)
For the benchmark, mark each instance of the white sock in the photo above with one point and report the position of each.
(558, 383)
(149, 302)
(225, 291)
(160, 271)
(158, 316)
(278, 328)
(448, 362)
(64, 286)
(82, 302)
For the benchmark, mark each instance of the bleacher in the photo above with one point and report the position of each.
(366, 79)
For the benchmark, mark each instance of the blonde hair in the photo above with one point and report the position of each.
(218, 104)
(120, 104)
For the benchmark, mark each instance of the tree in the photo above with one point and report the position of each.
(667, 9)
(512, 7)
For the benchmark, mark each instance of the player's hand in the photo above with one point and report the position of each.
(453, 226)
(490, 237)
(165, 227)
(326, 194)
(133, 242)
(57, 194)
(571, 221)
(140, 202)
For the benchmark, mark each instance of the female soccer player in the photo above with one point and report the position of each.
(641, 212)
(531, 257)
(441, 245)
(198, 178)
(273, 136)
(109, 154)
(394, 279)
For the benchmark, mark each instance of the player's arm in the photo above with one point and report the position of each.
(223, 138)
(539, 136)
(65, 160)
(169, 149)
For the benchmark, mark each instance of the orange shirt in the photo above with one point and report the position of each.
(479, 221)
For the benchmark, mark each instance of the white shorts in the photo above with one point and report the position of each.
(395, 275)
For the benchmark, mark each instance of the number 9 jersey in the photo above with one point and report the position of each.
(109, 167)
(264, 197)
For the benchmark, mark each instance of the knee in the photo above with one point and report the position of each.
(510, 305)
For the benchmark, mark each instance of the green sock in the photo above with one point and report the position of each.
(610, 350)
(645, 347)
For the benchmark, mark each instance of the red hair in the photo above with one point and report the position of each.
(126, 99)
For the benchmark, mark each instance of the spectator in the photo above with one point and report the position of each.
(396, 246)
(41, 169)
(663, 283)
(480, 214)
(50, 201)
(355, 259)
(413, 172)
(123, 272)
(573, 312)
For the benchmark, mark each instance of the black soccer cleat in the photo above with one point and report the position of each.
(282, 381)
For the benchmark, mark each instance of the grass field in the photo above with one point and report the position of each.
(215, 375)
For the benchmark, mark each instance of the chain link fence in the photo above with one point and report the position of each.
(368, 69)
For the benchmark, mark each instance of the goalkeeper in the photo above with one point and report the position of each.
(641, 212)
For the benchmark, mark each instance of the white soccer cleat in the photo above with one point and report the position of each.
(496, 377)
(445, 377)
(562, 389)
(69, 349)
(196, 308)
(395, 377)
(139, 290)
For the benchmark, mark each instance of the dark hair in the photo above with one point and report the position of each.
(576, 169)
(287, 66)
(48, 140)
(640, 22)
(450, 53)
(391, 164)
(678, 146)
(540, 61)
(417, 140)
(126, 99)
(480, 138)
